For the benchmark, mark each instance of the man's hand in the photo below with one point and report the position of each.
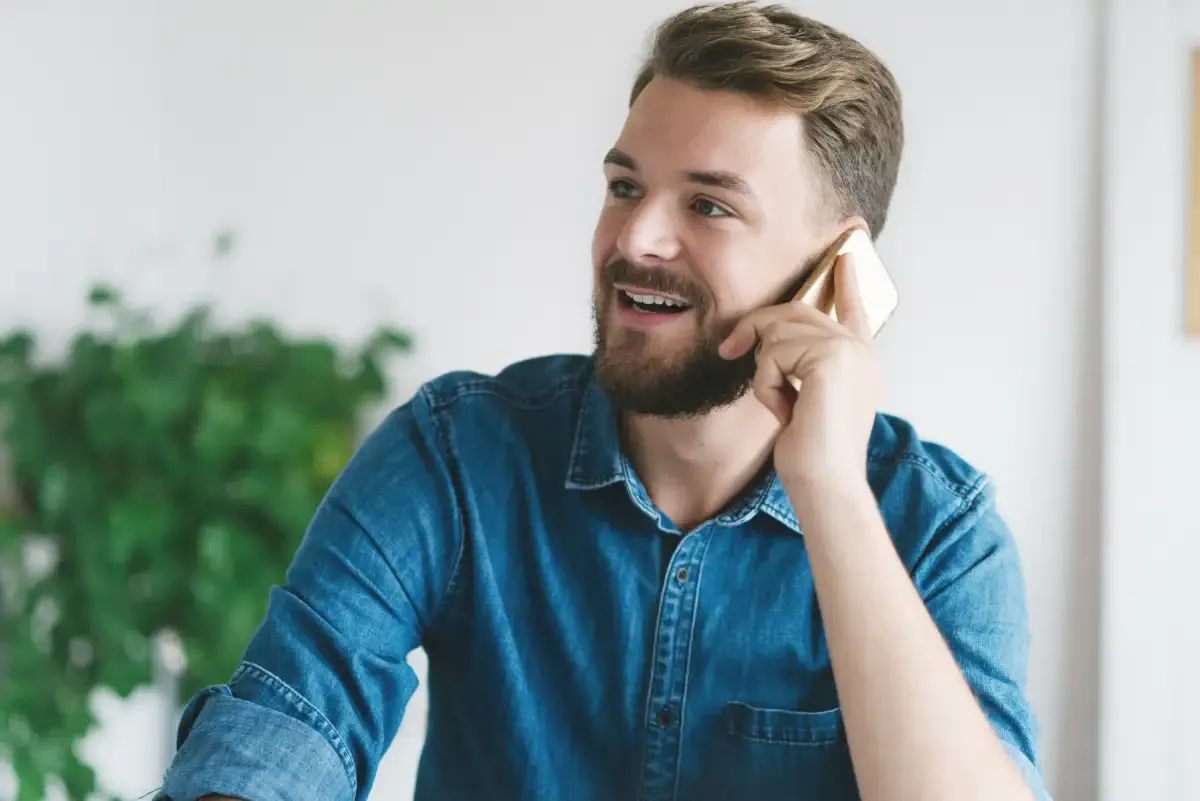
(828, 420)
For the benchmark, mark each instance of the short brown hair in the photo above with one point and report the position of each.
(848, 99)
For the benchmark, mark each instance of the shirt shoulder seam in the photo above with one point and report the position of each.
(444, 449)
(964, 490)
(441, 397)
(971, 497)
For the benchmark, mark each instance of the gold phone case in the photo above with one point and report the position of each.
(879, 294)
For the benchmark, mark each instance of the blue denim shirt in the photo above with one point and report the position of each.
(579, 647)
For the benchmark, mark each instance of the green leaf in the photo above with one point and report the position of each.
(387, 340)
(224, 243)
(16, 352)
(103, 295)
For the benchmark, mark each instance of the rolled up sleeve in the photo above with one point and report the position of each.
(229, 746)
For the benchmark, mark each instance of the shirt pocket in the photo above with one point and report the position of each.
(781, 752)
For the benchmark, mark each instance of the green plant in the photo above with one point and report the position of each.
(172, 473)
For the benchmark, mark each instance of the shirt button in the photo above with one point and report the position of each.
(664, 717)
(681, 575)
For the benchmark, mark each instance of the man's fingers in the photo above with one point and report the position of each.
(757, 326)
(789, 330)
(779, 363)
(772, 389)
(740, 340)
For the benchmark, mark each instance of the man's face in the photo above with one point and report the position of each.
(711, 211)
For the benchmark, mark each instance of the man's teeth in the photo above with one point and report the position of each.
(654, 300)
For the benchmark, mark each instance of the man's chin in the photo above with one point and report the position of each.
(672, 388)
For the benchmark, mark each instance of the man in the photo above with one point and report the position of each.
(661, 572)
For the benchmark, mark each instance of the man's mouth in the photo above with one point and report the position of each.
(649, 303)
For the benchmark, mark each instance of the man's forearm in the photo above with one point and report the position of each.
(915, 729)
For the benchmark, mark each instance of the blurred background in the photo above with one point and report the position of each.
(326, 169)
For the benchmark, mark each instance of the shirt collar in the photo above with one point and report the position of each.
(596, 461)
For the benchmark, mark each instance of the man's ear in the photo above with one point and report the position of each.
(854, 221)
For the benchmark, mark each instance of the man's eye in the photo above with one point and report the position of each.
(706, 208)
(620, 188)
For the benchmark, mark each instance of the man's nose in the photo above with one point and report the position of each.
(650, 234)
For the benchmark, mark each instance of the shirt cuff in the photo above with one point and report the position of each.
(240, 749)
(1033, 779)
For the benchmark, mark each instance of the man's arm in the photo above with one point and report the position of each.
(915, 725)
(915, 728)
(324, 683)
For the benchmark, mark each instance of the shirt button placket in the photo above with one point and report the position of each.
(668, 678)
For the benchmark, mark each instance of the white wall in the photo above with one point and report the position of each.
(1151, 389)
(437, 164)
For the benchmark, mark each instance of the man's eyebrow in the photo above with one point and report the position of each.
(722, 180)
(620, 159)
(717, 178)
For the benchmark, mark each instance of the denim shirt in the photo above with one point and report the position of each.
(579, 646)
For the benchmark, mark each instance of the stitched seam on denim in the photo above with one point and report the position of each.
(309, 710)
(750, 504)
(788, 516)
(751, 726)
(634, 488)
(447, 456)
(932, 470)
(783, 740)
(966, 505)
(579, 450)
(494, 386)
(968, 500)
(687, 668)
(646, 711)
(974, 494)
(526, 403)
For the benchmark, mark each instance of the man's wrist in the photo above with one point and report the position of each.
(829, 488)
(817, 501)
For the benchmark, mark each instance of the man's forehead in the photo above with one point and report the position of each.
(680, 127)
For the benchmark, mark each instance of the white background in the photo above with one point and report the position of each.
(437, 165)
(1152, 398)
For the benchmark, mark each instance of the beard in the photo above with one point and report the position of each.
(675, 386)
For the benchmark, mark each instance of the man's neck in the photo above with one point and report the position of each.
(693, 468)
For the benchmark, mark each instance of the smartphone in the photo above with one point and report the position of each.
(879, 294)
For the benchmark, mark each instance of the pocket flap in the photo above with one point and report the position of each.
(783, 725)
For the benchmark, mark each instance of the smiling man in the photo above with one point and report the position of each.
(660, 572)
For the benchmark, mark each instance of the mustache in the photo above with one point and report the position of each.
(620, 271)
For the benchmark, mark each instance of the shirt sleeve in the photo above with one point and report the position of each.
(972, 582)
(323, 685)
